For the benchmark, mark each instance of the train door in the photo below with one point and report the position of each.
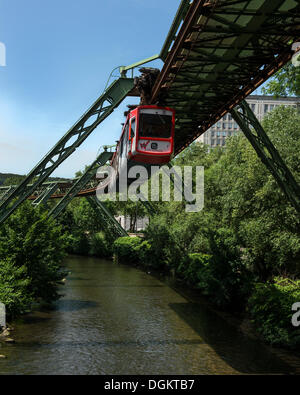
(132, 142)
(124, 150)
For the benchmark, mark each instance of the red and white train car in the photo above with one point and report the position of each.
(147, 139)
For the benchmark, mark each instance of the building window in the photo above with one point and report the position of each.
(266, 108)
(224, 133)
(224, 125)
(235, 125)
(229, 117)
(271, 107)
(219, 125)
(225, 117)
(218, 141)
(253, 107)
(230, 125)
(212, 134)
(223, 142)
(218, 133)
(213, 142)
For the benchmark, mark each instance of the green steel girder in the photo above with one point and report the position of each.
(99, 111)
(146, 203)
(249, 124)
(149, 207)
(87, 176)
(108, 220)
(227, 49)
(5, 191)
(45, 195)
(123, 69)
(179, 17)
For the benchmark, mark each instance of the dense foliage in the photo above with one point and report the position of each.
(31, 251)
(270, 308)
(85, 233)
(286, 82)
(126, 249)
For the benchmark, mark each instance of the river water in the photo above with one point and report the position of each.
(115, 319)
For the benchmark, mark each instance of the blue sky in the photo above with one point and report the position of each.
(59, 57)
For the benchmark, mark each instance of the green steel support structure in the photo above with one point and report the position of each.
(45, 195)
(99, 111)
(149, 207)
(249, 124)
(88, 175)
(111, 225)
(5, 191)
(221, 53)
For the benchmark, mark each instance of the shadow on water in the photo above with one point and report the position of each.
(111, 343)
(73, 278)
(31, 319)
(240, 352)
(69, 305)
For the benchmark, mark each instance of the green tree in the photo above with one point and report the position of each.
(85, 218)
(14, 284)
(286, 82)
(252, 203)
(33, 241)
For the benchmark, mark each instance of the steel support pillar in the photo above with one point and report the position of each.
(88, 175)
(108, 220)
(249, 124)
(45, 195)
(99, 111)
(5, 191)
(149, 207)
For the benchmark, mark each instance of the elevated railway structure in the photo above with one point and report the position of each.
(217, 52)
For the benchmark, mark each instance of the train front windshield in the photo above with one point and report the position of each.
(155, 125)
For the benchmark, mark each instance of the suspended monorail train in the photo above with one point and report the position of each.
(147, 139)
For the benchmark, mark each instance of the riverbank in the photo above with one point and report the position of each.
(6, 337)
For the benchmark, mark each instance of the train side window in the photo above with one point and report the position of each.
(133, 124)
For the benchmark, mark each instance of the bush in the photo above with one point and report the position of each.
(147, 257)
(77, 243)
(191, 269)
(14, 288)
(270, 308)
(33, 241)
(125, 250)
(134, 250)
(99, 246)
(224, 277)
(166, 251)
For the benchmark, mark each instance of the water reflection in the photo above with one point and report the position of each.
(242, 354)
(119, 320)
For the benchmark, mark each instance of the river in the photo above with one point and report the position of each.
(115, 319)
